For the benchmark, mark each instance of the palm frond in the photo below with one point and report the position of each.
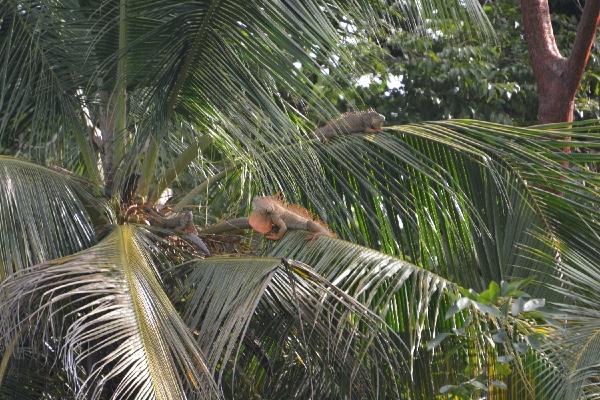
(43, 214)
(574, 349)
(113, 328)
(473, 202)
(445, 195)
(297, 329)
(37, 94)
(219, 63)
(224, 293)
(417, 305)
(29, 376)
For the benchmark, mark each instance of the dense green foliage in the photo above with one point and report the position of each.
(447, 73)
(466, 254)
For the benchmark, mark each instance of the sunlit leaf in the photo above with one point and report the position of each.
(113, 311)
(533, 304)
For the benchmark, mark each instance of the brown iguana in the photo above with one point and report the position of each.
(271, 210)
(351, 122)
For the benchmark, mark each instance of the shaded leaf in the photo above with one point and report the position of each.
(460, 305)
(437, 340)
(504, 359)
(499, 337)
(517, 307)
(534, 342)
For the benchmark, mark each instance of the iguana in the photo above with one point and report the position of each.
(271, 210)
(351, 122)
(182, 224)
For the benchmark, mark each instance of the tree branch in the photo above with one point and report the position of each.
(227, 226)
(187, 199)
(586, 32)
(179, 166)
(539, 34)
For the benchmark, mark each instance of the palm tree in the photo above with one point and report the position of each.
(104, 106)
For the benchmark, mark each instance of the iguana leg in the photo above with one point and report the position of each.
(186, 226)
(315, 229)
(282, 228)
(312, 237)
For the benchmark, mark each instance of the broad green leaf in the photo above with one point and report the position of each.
(504, 359)
(504, 288)
(494, 291)
(460, 305)
(485, 297)
(437, 340)
(487, 309)
(534, 342)
(499, 384)
(499, 337)
(533, 304)
(521, 347)
(517, 307)
(505, 308)
(470, 293)
(446, 388)
(479, 385)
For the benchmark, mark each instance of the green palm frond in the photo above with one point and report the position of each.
(467, 199)
(43, 215)
(29, 376)
(224, 293)
(105, 315)
(444, 195)
(411, 300)
(575, 348)
(297, 329)
(219, 63)
(37, 94)
(415, 303)
(437, 204)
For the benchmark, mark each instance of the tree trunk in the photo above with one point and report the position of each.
(557, 77)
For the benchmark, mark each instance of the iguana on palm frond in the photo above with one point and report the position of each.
(351, 122)
(181, 223)
(272, 210)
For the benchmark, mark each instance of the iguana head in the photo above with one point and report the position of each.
(260, 219)
(377, 121)
(188, 217)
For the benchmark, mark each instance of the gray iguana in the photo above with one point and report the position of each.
(351, 122)
(182, 223)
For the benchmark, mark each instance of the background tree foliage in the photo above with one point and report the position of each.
(446, 74)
